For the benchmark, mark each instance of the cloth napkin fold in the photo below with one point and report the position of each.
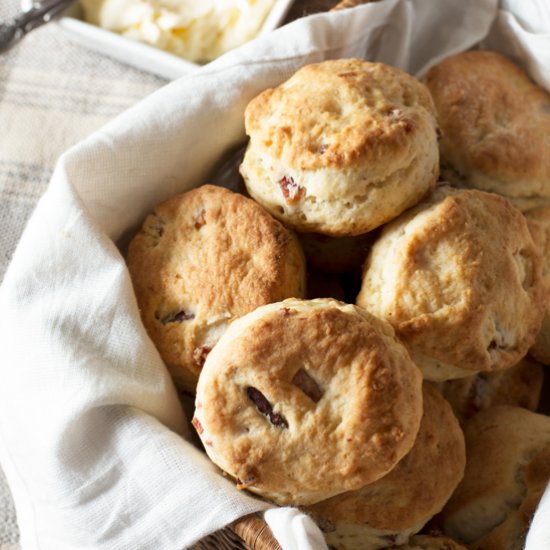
(92, 435)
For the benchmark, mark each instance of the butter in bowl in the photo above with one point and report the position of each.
(171, 37)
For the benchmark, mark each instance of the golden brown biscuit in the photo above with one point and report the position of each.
(459, 279)
(511, 534)
(539, 223)
(500, 444)
(302, 400)
(201, 259)
(342, 147)
(495, 124)
(430, 542)
(518, 386)
(398, 505)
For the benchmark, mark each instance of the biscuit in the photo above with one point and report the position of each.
(519, 386)
(389, 510)
(200, 260)
(500, 444)
(459, 279)
(430, 542)
(342, 147)
(539, 224)
(495, 123)
(510, 535)
(302, 400)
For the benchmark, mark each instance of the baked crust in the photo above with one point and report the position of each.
(413, 492)
(302, 400)
(519, 386)
(431, 542)
(341, 147)
(511, 534)
(495, 123)
(459, 279)
(200, 260)
(539, 224)
(500, 442)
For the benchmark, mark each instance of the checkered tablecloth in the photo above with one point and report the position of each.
(53, 93)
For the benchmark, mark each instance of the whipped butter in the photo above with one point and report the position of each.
(197, 30)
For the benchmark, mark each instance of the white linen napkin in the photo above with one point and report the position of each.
(92, 436)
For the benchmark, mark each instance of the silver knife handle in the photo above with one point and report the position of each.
(40, 13)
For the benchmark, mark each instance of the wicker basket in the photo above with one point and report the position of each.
(252, 532)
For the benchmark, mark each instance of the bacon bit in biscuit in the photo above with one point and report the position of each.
(200, 219)
(200, 355)
(197, 425)
(321, 150)
(408, 125)
(492, 345)
(308, 385)
(398, 116)
(176, 317)
(264, 406)
(292, 192)
(285, 311)
(208, 442)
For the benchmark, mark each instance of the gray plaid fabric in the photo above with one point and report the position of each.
(53, 93)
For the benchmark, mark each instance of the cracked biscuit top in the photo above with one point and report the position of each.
(341, 147)
(495, 124)
(201, 259)
(302, 400)
(459, 278)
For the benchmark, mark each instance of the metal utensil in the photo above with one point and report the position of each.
(38, 14)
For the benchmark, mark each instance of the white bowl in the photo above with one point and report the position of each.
(143, 56)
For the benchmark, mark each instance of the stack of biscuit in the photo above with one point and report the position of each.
(356, 413)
